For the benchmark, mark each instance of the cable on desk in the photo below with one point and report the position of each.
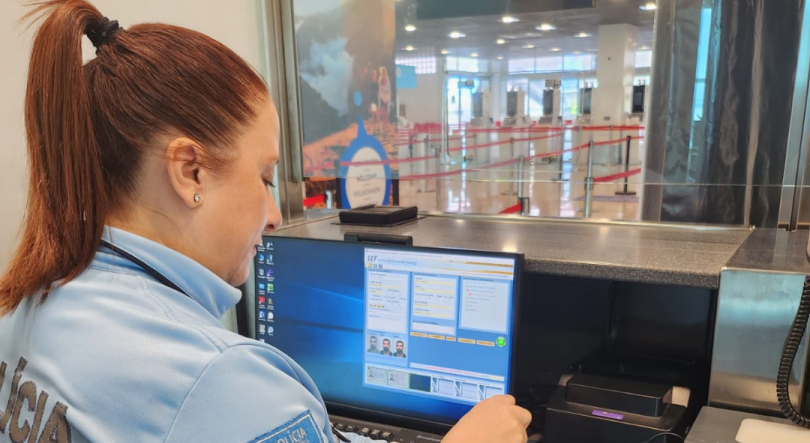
(663, 434)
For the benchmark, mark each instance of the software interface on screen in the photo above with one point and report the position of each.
(396, 329)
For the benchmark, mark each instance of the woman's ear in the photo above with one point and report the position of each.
(185, 170)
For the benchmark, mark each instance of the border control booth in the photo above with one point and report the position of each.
(606, 332)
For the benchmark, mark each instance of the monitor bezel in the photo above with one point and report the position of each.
(440, 426)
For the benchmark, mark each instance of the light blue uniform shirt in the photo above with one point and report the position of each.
(116, 356)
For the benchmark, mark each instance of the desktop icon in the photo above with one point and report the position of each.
(268, 245)
(270, 316)
(269, 258)
(261, 272)
(269, 272)
(501, 342)
(262, 300)
(262, 315)
(261, 287)
(271, 287)
(269, 330)
(261, 329)
(261, 258)
(262, 340)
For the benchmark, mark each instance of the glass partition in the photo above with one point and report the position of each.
(542, 110)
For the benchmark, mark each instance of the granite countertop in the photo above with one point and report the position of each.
(645, 253)
(773, 250)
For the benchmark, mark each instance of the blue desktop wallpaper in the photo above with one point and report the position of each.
(314, 303)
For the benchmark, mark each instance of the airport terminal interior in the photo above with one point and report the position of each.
(615, 188)
(599, 207)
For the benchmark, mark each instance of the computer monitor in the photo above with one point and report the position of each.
(393, 331)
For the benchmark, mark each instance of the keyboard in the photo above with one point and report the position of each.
(378, 431)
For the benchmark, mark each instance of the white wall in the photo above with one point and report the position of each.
(237, 24)
(423, 104)
(15, 47)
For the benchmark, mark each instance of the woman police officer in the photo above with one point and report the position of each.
(149, 174)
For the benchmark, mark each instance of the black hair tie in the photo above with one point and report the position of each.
(103, 32)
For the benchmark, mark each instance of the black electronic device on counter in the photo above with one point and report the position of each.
(379, 215)
(593, 409)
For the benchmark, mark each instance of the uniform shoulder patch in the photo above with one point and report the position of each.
(301, 429)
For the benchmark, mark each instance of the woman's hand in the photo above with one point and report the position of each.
(495, 420)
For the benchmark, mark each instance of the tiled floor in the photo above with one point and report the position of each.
(473, 188)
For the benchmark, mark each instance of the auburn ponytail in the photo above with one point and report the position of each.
(89, 126)
(67, 204)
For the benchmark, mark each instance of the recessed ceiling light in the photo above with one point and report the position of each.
(545, 27)
(500, 57)
(474, 54)
(555, 49)
(509, 19)
(410, 28)
(529, 46)
(582, 35)
(577, 53)
(456, 34)
(445, 52)
(648, 7)
(644, 48)
(409, 48)
(500, 41)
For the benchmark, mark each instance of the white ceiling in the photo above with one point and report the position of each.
(483, 32)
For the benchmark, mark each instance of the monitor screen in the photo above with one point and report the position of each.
(422, 333)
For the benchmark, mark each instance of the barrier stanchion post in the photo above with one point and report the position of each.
(619, 146)
(338, 182)
(395, 189)
(410, 155)
(579, 143)
(329, 199)
(562, 149)
(589, 182)
(511, 190)
(426, 168)
(521, 164)
(511, 148)
(438, 181)
(626, 168)
(524, 205)
(475, 139)
(427, 148)
(529, 143)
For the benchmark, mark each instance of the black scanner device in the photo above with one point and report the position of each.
(594, 409)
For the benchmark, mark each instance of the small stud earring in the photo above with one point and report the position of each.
(197, 198)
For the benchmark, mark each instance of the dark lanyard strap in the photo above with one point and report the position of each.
(339, 434)
(148, 269)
